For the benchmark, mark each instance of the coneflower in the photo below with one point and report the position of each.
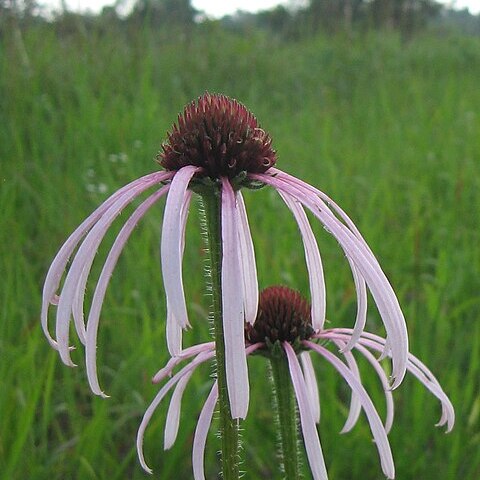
(216, 148)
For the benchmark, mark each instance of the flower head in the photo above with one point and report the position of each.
(283, 306)
(216, 139)
(219, 135)
(283, 315)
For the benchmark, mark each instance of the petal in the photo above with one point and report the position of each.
(173, 333)
(361, 318)
(386, 388)
(423, 374)
(171, 244)
(201, 358)
(102, 284)
(414, 366)
(247, 263)
(232, 307)
(78, 273)
(382, 376)
(173, 415)
(314, 262)
(174, 330)
(355, 404)
(185, 354)
(311, 384)
(448, 413)
(59, 263)
(358, 279)
(323, 196)
(378, 431)
(201, 432)
(77, 302)
(309, 429)
(366, 263)
(254, 347)
(184, 217)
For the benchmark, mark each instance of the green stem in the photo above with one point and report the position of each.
(228, 426)
(287, 416)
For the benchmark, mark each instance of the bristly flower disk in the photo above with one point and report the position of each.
(220, 136)
(283, 315)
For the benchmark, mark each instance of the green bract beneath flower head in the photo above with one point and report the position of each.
(219, 135)
(283, 315)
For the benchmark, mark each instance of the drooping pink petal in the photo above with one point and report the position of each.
(171, 244)
(355, 403)
(328, 202)
(254, 347)
(77, 303)
(232, 307)
(311, 384)
(382, 292)
(387, 351)
(173, 415)
(174, 329)
(379, 370)
(185, 354)
(307, 420)
(247, 263)
(361, 318)
(386, 387)
(448, 412)
(102, 284)
(418, 369)
(378, 431)
(341, 341)
(173, 333)
(360, 286)
(367, 265)
(201, 432)
(90, 246)
(59, 263)
(184, 217)
(314, 262)
(201, 358)
(78, 273)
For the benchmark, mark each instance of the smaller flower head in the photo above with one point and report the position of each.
(283, 315)
(283, 325)
(219, 135)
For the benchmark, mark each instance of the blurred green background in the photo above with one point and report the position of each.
(380, 112)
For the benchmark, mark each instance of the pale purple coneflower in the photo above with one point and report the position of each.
(284, 322)
(218, 145)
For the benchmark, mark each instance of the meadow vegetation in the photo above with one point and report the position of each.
(388, 128)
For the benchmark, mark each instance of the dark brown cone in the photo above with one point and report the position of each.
(220, 135)
(283, 314)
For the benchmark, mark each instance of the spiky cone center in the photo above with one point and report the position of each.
(219, 135)
(283, 316)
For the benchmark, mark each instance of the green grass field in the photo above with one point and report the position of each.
(390, 130)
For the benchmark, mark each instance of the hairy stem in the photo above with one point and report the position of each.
(228, 426)
(284, 401)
